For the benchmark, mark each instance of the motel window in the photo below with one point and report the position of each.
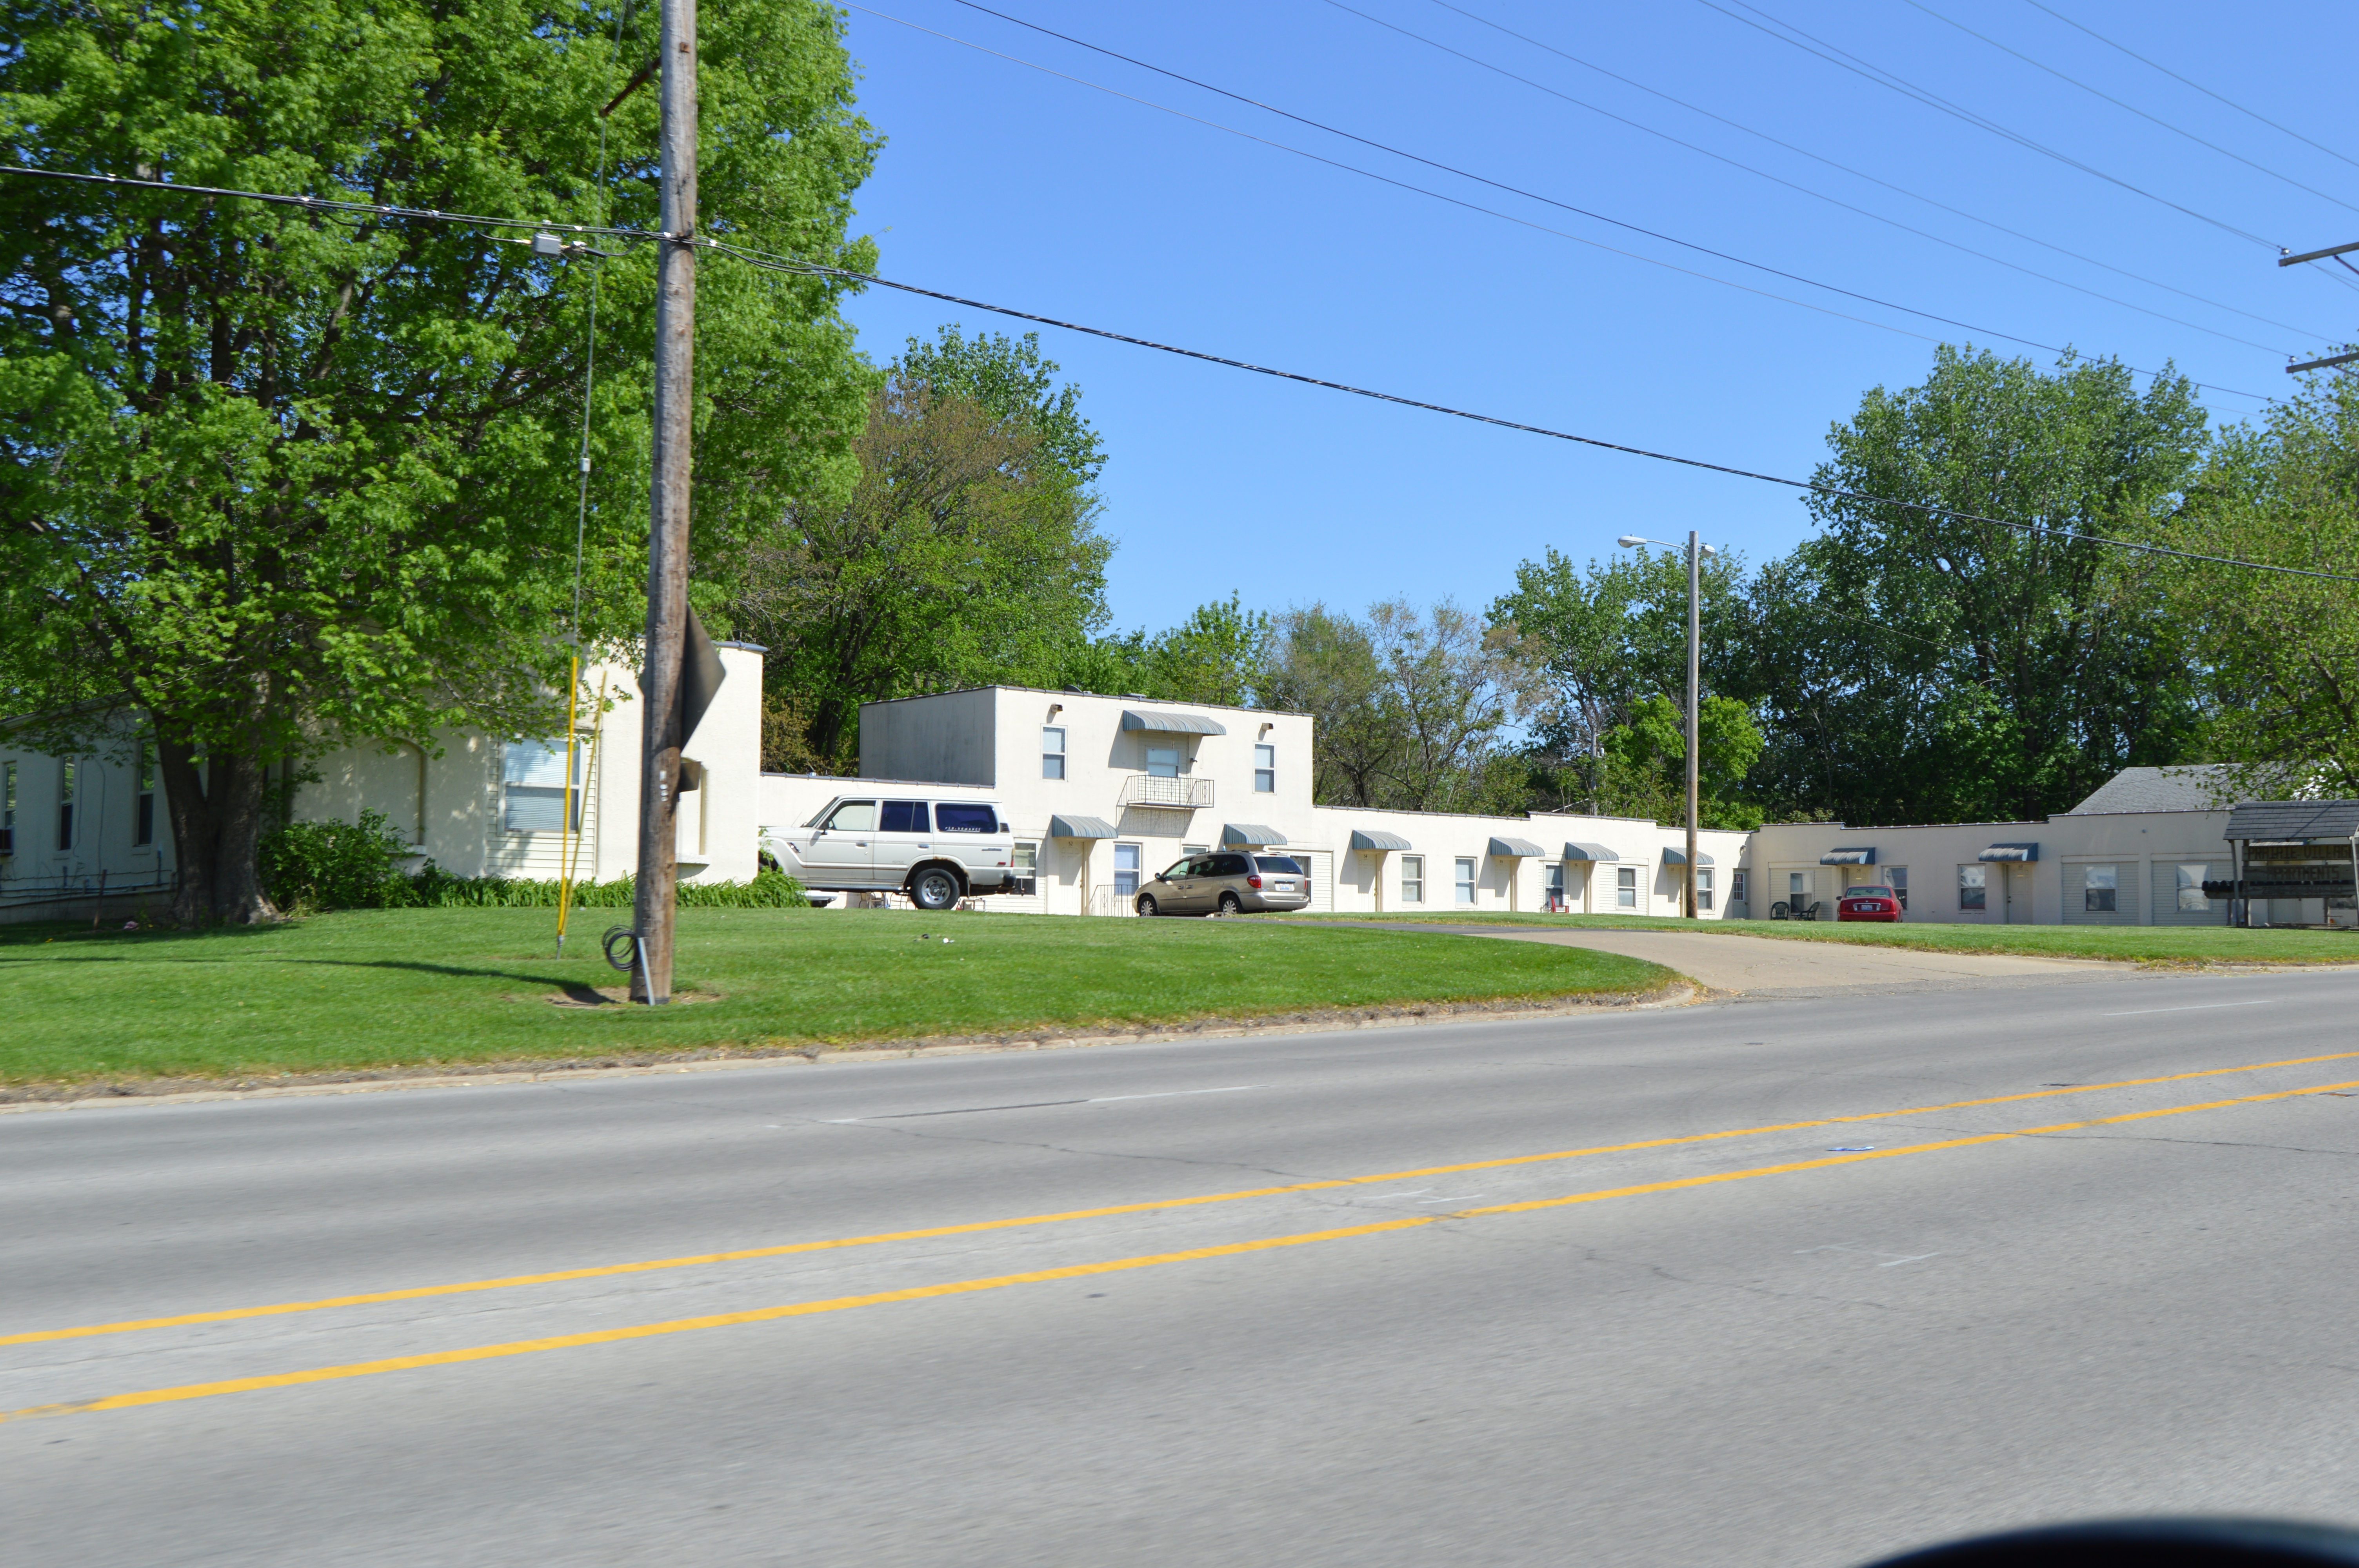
(143, 821)
(7, 808)
(69, 781)
(1973, 886)
(2099, 887)
(1024, 863)
(1125, 871)
(1556, 884)
(1265, 769)
(1703, 887)
(1797, 891)
(2192, 895)
(534, 780)
(1052, 751)
(1412, 879)
(1466, 878)
(1896, 879)
(1626, 887)
(1163, 762)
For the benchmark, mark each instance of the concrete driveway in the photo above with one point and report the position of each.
(1766, 965)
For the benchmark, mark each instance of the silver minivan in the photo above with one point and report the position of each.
(1228, 882)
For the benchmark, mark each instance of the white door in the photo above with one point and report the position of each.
(1319, 865)
(2016, 881)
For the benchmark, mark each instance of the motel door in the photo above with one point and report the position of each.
(2016, 881)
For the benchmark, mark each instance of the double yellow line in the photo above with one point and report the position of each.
(1084, 1271)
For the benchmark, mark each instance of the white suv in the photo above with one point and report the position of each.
(937, 851)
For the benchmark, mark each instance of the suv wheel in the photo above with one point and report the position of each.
(1230, 905)
(934, 889)
(1147, 906)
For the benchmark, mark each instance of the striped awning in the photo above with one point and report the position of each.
(1848, 855)
(1080, 827)
(1574, 852)
(1516, 850)
(1170, 723)
(1252, 834)
(1362, 839)
(1678, 856)
(2018, 852)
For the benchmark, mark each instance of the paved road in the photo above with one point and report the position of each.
(1772, 967)
(1741, 1348)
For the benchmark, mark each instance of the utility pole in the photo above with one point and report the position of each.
(1695, 696)
(2337, 253)
(661, 686)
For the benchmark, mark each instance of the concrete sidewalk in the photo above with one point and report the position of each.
(1766, 965)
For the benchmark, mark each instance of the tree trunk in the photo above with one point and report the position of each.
(216, 814)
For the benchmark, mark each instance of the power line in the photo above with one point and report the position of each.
(1791, 184)
(328, 205)
(803, 268)
(2199, 87)
(1884, 79)
(1447, 168)
(1863, 174)
(2132, 108)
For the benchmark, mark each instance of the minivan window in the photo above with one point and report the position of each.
(1229, 866)
(855, 817)
(1284, 865)
(905, 816)
(959, 816)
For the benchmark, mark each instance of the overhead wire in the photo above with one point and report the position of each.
(326, 204)
(2131, 108)
(2188, 81)
(795, 265)
(1480, 179)
(1863, 174)
(1819, 49)
(1792, 185)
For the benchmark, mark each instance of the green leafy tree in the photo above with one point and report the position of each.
(1647, 759)
(1920, 668)
(1326, 664)
(275, 481)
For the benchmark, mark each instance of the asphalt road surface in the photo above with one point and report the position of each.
(1799, 1280)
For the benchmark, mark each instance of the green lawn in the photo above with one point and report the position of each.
(406, 988)
(2144, 943)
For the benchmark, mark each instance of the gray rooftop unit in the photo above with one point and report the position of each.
(1170, 724)
(1080, 827)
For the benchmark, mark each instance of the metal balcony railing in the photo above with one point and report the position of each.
(1180, 793)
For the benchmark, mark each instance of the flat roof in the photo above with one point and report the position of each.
(1108, 695)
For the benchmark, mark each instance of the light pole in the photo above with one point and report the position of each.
(1697, 551)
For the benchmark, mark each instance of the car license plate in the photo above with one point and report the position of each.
(1281, 887)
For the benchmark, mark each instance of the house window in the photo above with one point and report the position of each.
(1163, 762)
(69, 780)
(1024, 864)
(903, 816)
(1736, 887)
(1466, 880)
(7, 808)
(1125, 871)
(1973, 886)
(143, 821)
(1052, 751)
(1195, 848)
(1265, 769)
(1556, 884)
(2192, 895)
(1897, 878)
(1703, 887)
(1626, 887)
(1412, 879)
(536, 792)
(2100, 886)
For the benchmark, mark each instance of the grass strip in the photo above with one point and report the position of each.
(386, 988)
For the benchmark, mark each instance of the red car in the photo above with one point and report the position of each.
(1869, 903)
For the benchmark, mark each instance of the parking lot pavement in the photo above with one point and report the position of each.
(1765, 966)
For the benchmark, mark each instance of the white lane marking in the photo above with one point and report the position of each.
(2198, 1007)
(1036, 1104)
(1894, 1259)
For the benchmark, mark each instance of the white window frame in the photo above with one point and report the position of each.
(1896, 879)
(1136, 870)
(1464, 880)
(1974, 877)
(1265, 769)
(2202, 901)
(2111, 887)
(1703, 887)
(1412, 879)
(1052, 750)
(538, 790)
(1626, 887)
(1165, 757)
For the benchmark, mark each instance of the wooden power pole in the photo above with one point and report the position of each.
(662, 692)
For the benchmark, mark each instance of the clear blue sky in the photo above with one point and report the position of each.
(1002, 183)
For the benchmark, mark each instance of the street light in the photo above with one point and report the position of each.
(1697, 551)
